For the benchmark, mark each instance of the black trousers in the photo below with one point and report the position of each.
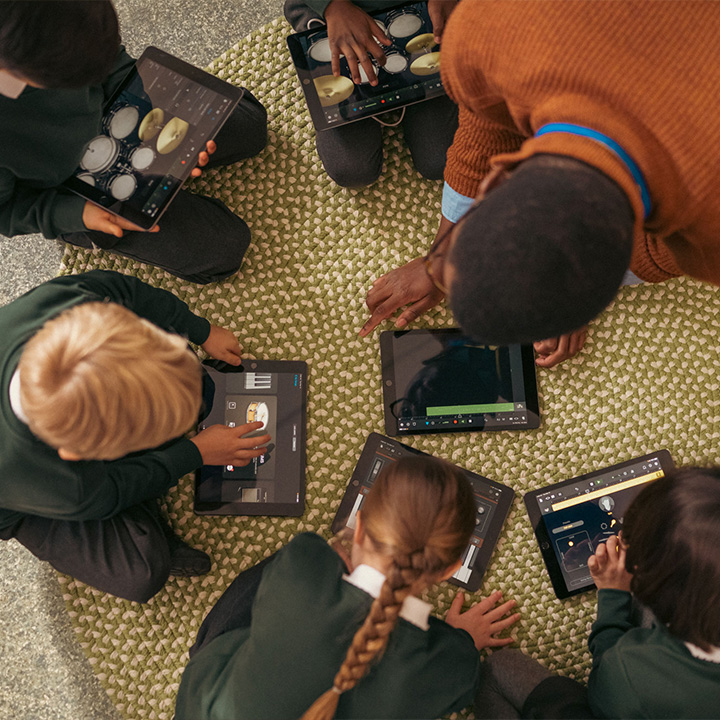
(353, 154)
(200, 239)
(126, 555)
(234, 609)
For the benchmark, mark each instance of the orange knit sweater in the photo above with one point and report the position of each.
(644, 72)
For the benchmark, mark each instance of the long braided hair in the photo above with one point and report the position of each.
(420, 512)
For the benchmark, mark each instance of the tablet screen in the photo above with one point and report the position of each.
(271, 392)
(410, 74)
(154, 127)
(573, 517)
(441, 381)
(493, 501)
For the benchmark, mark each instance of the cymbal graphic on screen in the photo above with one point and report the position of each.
(426, 64)
(333, 90)
(420, 43)
(172, 135)
(151, 125)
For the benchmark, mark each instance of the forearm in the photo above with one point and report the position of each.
(160, 307)
(123, 64)
(614, 619)
(26, 210)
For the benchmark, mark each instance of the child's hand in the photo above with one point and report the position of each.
(354, 34)
(223, 445)
(483, 621)
(223, 345)
(204, 158)
(607, 566)
(96, 218)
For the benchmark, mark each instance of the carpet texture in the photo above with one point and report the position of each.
(647, 379)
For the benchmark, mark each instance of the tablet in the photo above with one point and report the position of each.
(411, 73)
(154, 127)
(272, 392)
(441, 381)
(493, 500)
(571, 518)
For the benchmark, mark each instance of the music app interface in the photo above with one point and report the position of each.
(486, 500)
(151, 137)
(580, 516)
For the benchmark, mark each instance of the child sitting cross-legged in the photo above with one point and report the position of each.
(304, 635)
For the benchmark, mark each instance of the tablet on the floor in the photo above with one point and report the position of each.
(493, 500)
(410, 75)
(571, 518)
(273, 392)
(441, 381)
(154, 127)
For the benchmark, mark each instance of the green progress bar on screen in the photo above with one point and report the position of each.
(469, 409)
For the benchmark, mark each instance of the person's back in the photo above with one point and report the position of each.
(670, 541)
(361, 645)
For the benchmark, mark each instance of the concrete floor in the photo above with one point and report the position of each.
(45, 676)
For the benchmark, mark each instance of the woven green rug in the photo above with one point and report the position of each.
(647, 379)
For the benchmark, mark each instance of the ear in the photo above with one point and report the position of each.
(359, 535)
(68, 455)
(452, 570)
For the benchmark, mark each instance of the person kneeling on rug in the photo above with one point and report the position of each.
(297, 636)
(665, 667)
(60, 62)
(98, 383)
(352, 154)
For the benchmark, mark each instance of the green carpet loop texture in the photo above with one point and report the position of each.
(647, 379)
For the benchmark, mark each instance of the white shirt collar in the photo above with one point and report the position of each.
(713, 656)
(14, 392)
(367, 578)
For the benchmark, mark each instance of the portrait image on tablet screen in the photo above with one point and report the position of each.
(442, 381)
(572, 518)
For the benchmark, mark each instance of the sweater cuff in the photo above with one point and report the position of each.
(319, 6)
(198, 329)
(454, 205)
(183, 457)
(67, 212)
(613, 602)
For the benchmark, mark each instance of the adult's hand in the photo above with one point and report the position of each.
(354, 34)
(553, 351)
(484, 621)
(223, 345)
(406, 285)
(607, 566)
(96, 218)
(439, 12)
(223, 445)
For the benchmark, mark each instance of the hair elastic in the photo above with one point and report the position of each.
(609, 143)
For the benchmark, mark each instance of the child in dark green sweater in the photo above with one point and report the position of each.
(60, 62)
(667, 557)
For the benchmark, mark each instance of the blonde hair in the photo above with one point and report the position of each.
(100, 382)
(421, 513)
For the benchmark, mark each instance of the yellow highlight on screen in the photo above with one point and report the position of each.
(608, 490)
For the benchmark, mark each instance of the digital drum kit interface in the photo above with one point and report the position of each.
(420, 54)
(114, 160)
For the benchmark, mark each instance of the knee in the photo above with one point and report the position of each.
(148, 577)
(431, 167)
(353, 175)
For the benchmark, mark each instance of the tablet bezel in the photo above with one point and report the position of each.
(390, 390)
(541, 535)
(305, 77)
(196, 75)
(271, 509)
(504, 505)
